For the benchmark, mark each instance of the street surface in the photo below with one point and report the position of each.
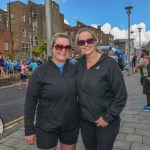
(11, 103)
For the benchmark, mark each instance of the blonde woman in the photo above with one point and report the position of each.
(52, 94)
(102, 93)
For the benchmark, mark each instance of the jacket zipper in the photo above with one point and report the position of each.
(84, 95)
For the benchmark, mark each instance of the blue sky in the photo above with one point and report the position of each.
(110, 14)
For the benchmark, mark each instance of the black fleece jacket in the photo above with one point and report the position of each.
(52, 95)
(101, 88)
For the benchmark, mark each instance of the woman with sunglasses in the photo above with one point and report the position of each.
(52, 95)
(102, 93)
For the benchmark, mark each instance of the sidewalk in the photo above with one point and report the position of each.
(134, 131)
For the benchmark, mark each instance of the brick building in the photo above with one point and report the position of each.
(6, 45)
(108, 39)
(28, 24)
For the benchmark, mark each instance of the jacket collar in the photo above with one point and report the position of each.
(82, 59)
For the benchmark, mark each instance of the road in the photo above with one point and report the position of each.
(11, 103)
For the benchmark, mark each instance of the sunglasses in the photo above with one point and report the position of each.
(60, 47)
(88, 41)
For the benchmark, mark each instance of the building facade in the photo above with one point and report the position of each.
(122, 44)
(6, 45)
(28, 24)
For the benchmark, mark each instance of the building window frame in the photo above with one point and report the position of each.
(23, 18)
(24, 33)
(34, 13)
(6, 45)
(72, 33)
(25, 47)
(34, 26)
(35, 40)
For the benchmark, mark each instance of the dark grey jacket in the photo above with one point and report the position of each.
(55, 93)
(102, 90)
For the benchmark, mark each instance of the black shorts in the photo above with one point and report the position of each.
(23, 76)
(146, 85)
(49, 139)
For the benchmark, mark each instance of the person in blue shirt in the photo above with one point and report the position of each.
(18, 66)
(33, 65)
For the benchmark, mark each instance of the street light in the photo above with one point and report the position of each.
(31, 31)
(48, 14)
(128, 10)
(139, 37)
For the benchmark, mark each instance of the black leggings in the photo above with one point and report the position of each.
(148, 99)
(98, 138)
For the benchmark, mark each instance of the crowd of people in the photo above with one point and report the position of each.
(18, 67)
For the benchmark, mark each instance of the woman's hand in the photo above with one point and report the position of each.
(101, 122)
(30, 139)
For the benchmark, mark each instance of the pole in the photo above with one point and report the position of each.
(48, 16)
(128, 9)
(139, 38)
(129, 66)
(9, 16)
(31, 35)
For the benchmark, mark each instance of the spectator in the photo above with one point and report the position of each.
(33, 65)
(102, 93)
(2, 65)
(52, 95)
(144, 67)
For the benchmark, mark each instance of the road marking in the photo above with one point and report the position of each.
(12, 123)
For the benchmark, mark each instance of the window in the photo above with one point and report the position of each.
(24, 34)
(34, 14)
(25, 47)
(34, 25)
(7, 24)
(101, 41)
(97, 34)
(29, 20)
(35, 40)
(72, 40)
(72, 33)
(12, 16)
(6, 46)
(23, 18)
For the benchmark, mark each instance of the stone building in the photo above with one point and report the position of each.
(28, 24)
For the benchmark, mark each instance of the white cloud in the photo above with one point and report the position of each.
(106, 28)
(123, 34)
(66, 22)
(94, 25)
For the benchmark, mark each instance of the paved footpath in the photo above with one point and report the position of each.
(134, 131)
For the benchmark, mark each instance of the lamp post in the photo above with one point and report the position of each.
(128, 10)
(139, 37)
(31, 31)
(48, 14)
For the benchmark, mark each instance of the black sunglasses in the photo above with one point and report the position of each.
(60, 47)
(88, 41)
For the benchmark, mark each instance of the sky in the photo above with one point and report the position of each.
(110, 14)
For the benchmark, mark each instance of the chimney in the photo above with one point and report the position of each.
(99, 27)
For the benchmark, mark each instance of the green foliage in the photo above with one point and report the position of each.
(10, 56)
(40, 49)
